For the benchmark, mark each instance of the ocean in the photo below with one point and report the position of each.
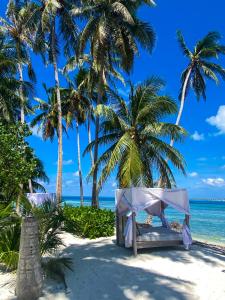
(207, 217)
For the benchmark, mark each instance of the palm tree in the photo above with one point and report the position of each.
(18, 29)
(88, 79)
(9, 86)
(200, 67)
(47, 119)
(53, 15)
(113, 33)
(75, 107)
(136, 137)
(87, 90)
(38, 178)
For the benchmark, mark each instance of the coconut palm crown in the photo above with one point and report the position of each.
(47, 117)
(200, 66)
(137, 137)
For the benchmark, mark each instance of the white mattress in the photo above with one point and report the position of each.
(158, 234)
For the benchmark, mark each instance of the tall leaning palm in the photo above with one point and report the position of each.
(54, 19)
(135, 135)
(200, 67)
(113, 32)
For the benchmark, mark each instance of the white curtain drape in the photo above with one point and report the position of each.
(138, 199)
(149, 199)
(39, 198)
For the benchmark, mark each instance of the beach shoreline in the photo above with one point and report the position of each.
(174, 272)
(207, 217)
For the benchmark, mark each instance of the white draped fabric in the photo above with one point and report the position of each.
(149, 199)
(187, 239)
(39, 198)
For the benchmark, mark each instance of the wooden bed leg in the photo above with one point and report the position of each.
(134, 234)
(187, 220)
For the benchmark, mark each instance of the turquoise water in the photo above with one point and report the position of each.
(207, 217)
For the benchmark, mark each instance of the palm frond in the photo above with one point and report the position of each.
(182, 44)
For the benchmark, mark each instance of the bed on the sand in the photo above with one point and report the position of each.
(154, 201)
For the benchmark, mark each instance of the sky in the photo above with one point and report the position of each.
(204, 148)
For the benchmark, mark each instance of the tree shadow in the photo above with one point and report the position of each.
(206, 253)
(103, 271)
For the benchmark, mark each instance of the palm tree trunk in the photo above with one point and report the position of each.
(18, 200)
(79, 165)
(95, 202)
(59, 110)
(22, 120)
(89, 138)
(29, 275)
(22, 113)
(30, 186)
(184, 89)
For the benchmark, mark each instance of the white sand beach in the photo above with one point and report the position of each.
(103, 270)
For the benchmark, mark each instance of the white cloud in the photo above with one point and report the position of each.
(202, 159)
(65, 162)
(68, 162)
(76, 174)
(217, 182)
(193, 174)
(36, 131)
(69, 182)
(218, 120)
(114, 184)
(197, 136)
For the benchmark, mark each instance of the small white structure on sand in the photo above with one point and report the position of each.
(154, 201)
(38, 199)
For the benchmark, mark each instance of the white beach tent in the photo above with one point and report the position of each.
(130, 201)
(39, 198)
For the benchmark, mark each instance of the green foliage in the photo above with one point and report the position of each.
(9, 99)
(113, 30)
(9, 245)
(17, 160)
(50, 221)
(136, 135)
(89, 222)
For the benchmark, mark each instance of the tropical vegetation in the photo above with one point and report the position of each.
(134, 135)
(89, 47)
(89, 222)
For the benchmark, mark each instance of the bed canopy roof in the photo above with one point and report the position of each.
(136, 199)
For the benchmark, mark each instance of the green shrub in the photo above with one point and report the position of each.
(89, 222)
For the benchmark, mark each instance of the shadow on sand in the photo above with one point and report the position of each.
(101, 272)
(203, 252)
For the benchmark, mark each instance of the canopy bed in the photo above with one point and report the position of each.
(154, 201)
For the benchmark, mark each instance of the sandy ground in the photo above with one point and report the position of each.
(104, 271)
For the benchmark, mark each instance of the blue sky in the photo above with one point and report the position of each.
(204, 148)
